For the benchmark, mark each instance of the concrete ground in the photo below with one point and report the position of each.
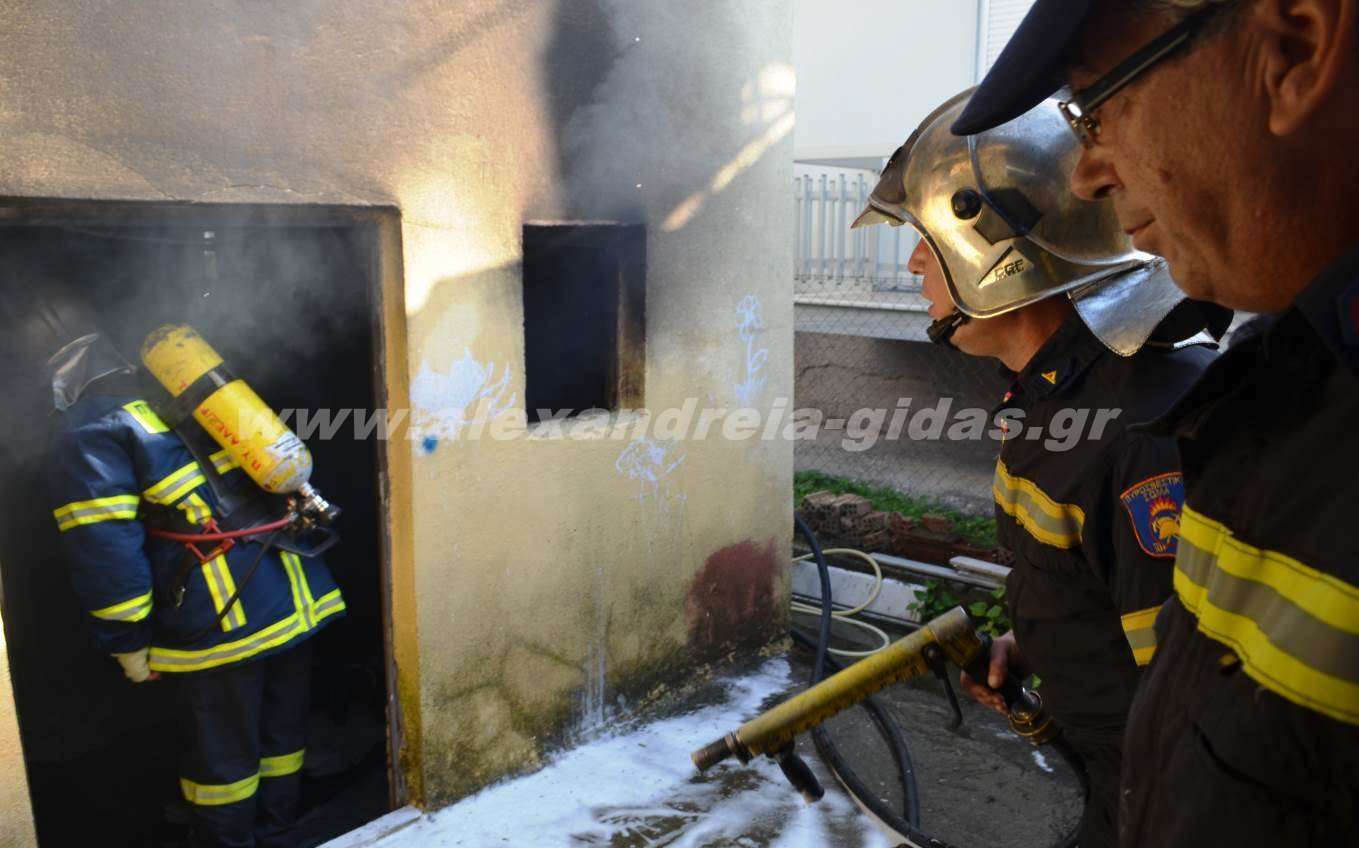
(634, 785)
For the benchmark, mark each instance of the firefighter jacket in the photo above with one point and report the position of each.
(1089, 510)
(1246, 730)
(116, 463)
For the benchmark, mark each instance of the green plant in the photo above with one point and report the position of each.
(936, 598)
(933, 600)
(990, 616)
(979, 530)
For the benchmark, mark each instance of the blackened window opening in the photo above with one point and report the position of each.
(584, 318)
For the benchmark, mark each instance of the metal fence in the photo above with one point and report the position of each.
(861, 345)
(833, 257)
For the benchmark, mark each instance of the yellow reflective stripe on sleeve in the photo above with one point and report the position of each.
(1138, 627)
(149, 420)
(282, 765)
(1048, 521)
(217, 575)
(209, 795)
(222, 461)
(77, 513)
(1295, 629)
(175, 486)
(195, 509)
(134, 609)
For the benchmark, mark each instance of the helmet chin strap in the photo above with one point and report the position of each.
(941, 331)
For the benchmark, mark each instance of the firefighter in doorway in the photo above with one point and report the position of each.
(1018, 268)
(226, 621)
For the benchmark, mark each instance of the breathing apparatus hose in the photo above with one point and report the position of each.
(224, 534)
(907, 825)
(245, 581)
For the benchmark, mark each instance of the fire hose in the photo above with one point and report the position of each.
(950, 636)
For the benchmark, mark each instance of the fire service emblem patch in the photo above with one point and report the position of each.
(1153, 507)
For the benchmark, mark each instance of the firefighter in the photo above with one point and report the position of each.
(230, 630)
(1017, 268)
(1224, 134)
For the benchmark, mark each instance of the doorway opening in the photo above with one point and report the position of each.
(291, 298)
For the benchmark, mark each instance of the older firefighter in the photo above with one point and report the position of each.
(1017, 268)
(228, 623)
(1224, 134)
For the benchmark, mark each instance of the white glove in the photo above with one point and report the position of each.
(135, 666)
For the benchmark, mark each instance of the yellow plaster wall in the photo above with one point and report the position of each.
(16, 817)
(534, 584)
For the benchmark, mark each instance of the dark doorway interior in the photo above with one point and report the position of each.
(290, 308)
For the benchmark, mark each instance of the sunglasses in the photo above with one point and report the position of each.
(1079, 110)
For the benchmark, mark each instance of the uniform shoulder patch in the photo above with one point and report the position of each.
(1153, 507)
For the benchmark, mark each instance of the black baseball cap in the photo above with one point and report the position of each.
(1029, 69)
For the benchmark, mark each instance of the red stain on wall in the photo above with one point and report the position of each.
(732, 599)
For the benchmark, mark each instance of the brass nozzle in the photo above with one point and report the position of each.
(715, 752)
(1031, 721)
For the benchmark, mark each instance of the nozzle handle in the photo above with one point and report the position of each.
(800, 775)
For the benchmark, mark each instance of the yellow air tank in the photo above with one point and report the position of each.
(235, 417)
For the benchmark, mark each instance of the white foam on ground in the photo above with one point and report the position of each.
(639, 787)
(1042, 761)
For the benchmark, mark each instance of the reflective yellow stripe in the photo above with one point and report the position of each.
(77, 513)
(134, 609)
(1138, 627)
(1140, 619)
(208, 795)
(301, 594)
(175, 486)
(195, 509)
(1295, 629)
(278, 633)
(236, 618)
(282, 765)
(149, 420)
(329, 604)
(1048, 521)
(222, 461)
(1328, 598)
(217, 575)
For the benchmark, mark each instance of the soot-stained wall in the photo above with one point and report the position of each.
(537, 584)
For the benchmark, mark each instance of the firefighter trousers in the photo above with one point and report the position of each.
(1102, 755)
(243, 730)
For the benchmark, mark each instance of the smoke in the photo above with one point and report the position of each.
(279, 303)
(663, 112)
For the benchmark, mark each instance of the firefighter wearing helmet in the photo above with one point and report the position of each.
(1096, 337)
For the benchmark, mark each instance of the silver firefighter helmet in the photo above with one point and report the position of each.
(997, 211)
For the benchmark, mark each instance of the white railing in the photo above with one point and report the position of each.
(831, 257)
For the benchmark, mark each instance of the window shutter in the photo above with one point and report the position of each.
(997, 21)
